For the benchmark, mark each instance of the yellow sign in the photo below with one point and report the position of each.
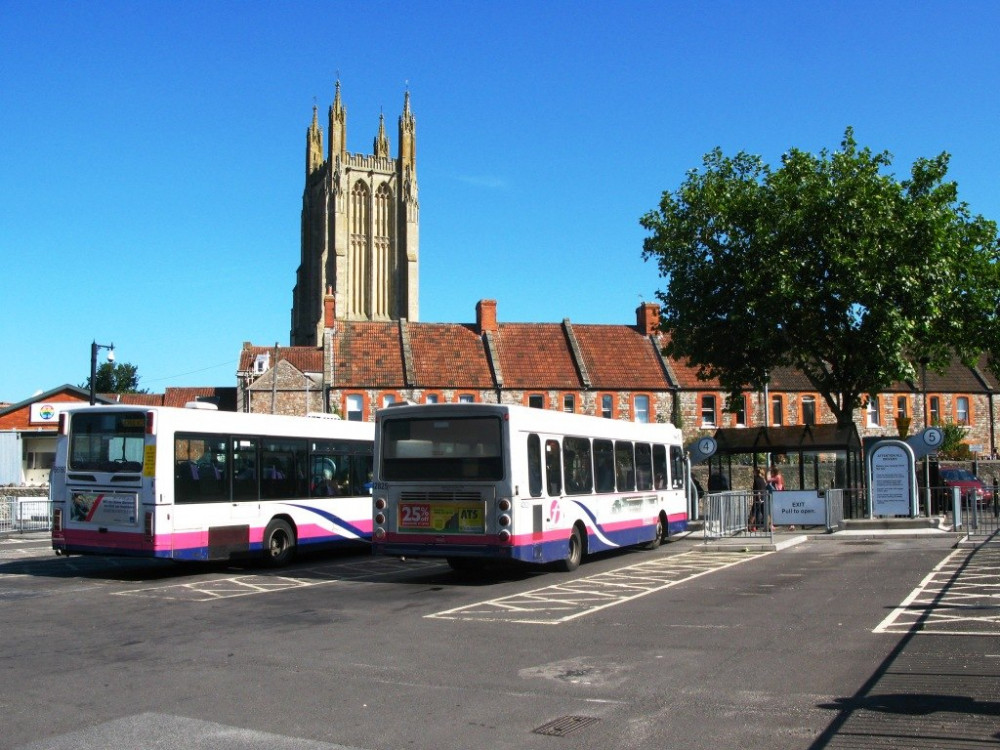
(149, 461)
(442, 518)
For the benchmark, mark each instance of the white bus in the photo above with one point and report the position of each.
(200, 484)
(469, 482)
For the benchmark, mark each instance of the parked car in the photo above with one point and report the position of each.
(966, 481)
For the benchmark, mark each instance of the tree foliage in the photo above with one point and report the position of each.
(114, 377)
(827, 264)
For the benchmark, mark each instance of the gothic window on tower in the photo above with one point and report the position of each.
(383, 263)
(359, 258)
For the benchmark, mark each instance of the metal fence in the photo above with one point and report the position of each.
(737, 514)
(747, 514)
(22, 514)
(977, 516)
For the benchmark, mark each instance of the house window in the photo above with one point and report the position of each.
(640, 408)
(466, 398)
(874, 412)
(962, 413)
(607, 406)
(569, 403)
(708, 418)
(741, 412)
(536, 401)
(261, 363)
(354, 405)
(902, 409)
(388, 399)
(808, 410)
(934, 409)
(777, 411)
(431, 398)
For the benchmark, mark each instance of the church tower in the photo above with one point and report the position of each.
(360, 228)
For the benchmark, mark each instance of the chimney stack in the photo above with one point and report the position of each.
(329, 308)
(647, 318)
(486, 316)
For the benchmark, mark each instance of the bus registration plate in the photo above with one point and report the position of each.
(442, 518)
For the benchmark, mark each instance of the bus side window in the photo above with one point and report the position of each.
(660, 471)
(579, 467)
(624, 466)
(604, 465)
(553, 467)
(361, 470)
(534, 466)
(676, 467)
(643, 467)
(245, 477)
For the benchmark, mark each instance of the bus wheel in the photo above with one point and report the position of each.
(279, 543)
(572, 560)
(659, 535)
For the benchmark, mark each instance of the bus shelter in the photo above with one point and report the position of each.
(819, 457)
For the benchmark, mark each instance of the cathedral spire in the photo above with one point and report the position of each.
(407, 137)
(314, 144)
(338, 127)
(381, 144)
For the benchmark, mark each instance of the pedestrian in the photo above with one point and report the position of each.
(758, 494)
(775, 482)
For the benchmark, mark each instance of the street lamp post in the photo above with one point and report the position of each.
(94, 348)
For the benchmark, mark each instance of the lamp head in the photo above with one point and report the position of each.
(111, 355)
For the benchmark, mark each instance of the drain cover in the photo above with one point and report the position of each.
(564, 725)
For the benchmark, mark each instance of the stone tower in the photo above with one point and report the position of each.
(360, 228)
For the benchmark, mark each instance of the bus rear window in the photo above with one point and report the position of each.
(111, 442)
(442, 449)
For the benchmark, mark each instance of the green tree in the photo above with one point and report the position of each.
(826, 264)
(113, 377)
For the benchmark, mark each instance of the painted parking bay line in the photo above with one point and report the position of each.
(229, 587)
(567, 601)
(960, 596)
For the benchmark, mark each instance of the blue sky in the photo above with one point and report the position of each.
(153, 152)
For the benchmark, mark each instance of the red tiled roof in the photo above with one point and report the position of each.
(956, 378)
(448, 355)
(302, 358)
(368, 355)
(620, 358)
(536, 355)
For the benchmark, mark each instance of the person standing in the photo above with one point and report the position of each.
(775, 482)
(757, 499)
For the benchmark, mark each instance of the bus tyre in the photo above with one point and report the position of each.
(279, 543)
(655, 542)
(572, 560)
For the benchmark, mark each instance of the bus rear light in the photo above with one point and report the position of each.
(63, 423)
(380, 503)
(380, 534)
(380, 518)
(504, 505)
(148, 526)
(504, 521)
(504, 536)
(57, 514)
(150, 422)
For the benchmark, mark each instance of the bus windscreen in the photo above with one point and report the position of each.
(107, 441)
(437, 449)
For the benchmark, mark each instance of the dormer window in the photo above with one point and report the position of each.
(261, 363)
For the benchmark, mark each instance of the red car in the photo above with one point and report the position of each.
(966, 481)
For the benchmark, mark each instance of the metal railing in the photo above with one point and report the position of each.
(747, 514)
(978, 517)
(23, 514)
(737, 514)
